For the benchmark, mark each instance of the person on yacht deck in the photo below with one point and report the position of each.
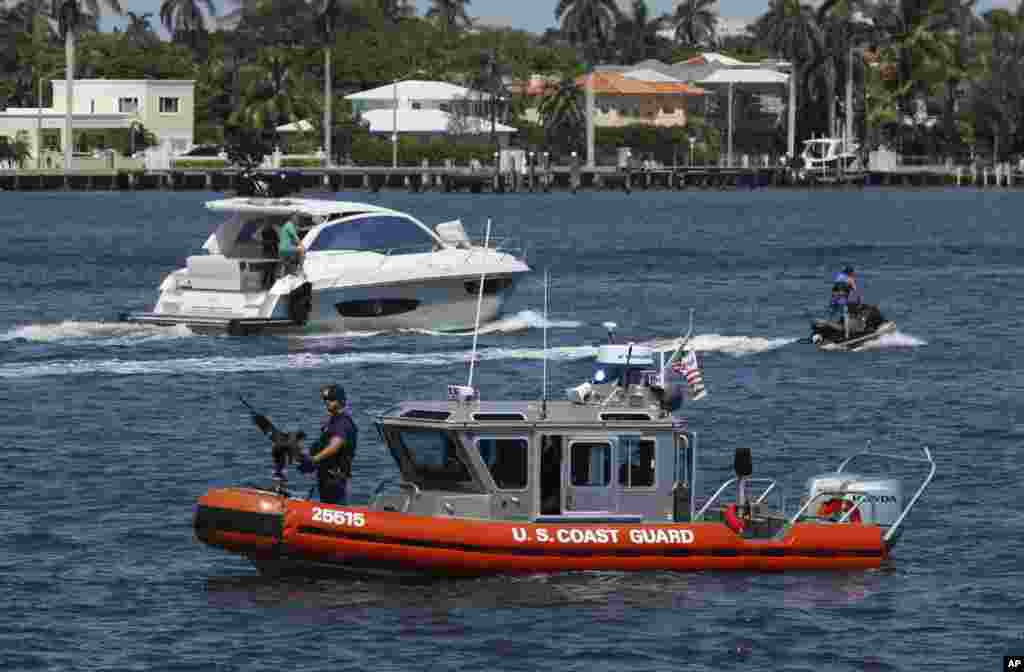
(290, 247)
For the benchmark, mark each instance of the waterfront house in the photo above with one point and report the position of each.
(429, 109)
(163, 107)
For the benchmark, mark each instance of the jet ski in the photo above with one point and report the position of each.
(861, 324)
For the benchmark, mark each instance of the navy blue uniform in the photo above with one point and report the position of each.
(333, 473)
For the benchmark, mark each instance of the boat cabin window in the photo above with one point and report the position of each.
(506, 460)
(636, 462)
(430, 458)
(591, 463)
(387, 234)
(608, 373)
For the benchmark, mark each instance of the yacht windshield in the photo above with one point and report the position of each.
(387, 234)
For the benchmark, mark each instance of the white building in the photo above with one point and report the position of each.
(426, 109)
(164, 107)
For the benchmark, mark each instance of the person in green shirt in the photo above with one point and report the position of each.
(289, 247)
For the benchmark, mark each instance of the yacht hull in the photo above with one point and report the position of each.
(278, 533)
(448, 304)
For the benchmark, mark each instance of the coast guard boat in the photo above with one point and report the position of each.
(606, 479)
(366, 268)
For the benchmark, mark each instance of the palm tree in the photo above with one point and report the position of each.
(789, 28)
(329, 13)
(561, 112)
(184, 18)
(589, 24)
(272, 92)
(695, 22)
(72, 16)
(450, 13)
(395, 11)
(636, 35)
(139, 32)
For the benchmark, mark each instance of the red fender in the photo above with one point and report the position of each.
(732, 520)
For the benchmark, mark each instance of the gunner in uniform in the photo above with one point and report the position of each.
(331, 458)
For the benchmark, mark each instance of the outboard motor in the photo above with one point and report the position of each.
(882, 504)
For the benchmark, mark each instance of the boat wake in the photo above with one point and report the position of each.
(521, 321)
(737, 346)
(283, 362)
(101, 333)
(896, 340)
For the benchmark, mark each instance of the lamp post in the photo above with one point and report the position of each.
(394, 124)
(692, 140)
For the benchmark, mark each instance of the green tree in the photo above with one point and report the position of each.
(184, 19)
(450, 14)
(589, 24)
(637, 35)
(790, 29)
(139, 32)
(562, 116)
(695, 23)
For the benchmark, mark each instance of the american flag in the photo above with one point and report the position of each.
(689, 367)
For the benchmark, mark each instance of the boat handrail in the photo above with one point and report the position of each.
(857, 499)
(891, 536)
(402, 485)
(771, 486)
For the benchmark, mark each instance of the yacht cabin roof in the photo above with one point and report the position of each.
(286, 206)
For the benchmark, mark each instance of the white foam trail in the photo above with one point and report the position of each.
(521, 321)
(306, 360)
(103, 331)
(730, 345)
(896, 340)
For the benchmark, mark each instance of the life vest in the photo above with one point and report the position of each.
(836, 507)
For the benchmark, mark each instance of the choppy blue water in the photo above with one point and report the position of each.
(110, 432)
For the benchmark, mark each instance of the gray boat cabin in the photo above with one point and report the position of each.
(612, 453)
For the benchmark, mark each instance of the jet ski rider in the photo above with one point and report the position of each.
(331, 458)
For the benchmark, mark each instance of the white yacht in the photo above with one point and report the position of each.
(366, 268)
(828, 159)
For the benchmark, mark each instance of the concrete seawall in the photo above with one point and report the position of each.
(455, 179)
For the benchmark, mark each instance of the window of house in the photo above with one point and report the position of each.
(417, 106)
(168, 105)
(636, 462)
(127, 105)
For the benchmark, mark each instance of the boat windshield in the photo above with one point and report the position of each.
(374, 233)
(609, 373)
(430, 458)
(817, 150)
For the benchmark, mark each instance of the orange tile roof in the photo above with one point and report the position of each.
(615, 84)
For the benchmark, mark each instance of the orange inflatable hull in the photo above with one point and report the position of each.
(273, 530)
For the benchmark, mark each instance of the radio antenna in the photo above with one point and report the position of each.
(544, 390)
(479, 302)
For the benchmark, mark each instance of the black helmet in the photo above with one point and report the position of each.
(333, 393)
(848, 269)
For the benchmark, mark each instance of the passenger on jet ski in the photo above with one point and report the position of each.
(848, 316)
